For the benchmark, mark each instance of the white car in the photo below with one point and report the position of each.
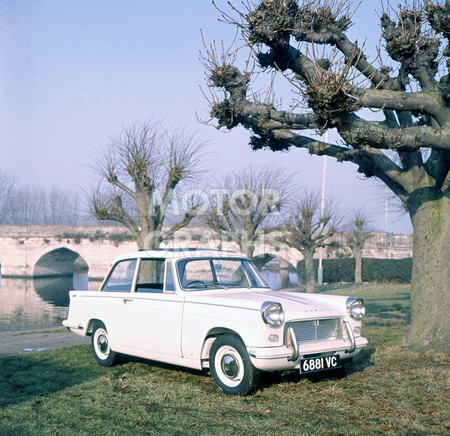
(212, 310)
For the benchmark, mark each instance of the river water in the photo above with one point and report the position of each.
(27, 304)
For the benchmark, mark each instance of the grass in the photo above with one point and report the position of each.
(386, 304)
(388, 390)
(396, 291)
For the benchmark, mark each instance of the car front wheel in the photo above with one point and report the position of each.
(101, 347)
(231, 367)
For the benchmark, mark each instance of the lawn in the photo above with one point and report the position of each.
(373, 291)
(388, 390)
(386, 304)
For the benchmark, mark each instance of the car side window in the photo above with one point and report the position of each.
(121, 277)
(151, 276)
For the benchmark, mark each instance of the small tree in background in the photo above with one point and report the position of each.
(143, 167)
(308, 229)
(246, 205)
(7, 187)
(356, 240)
(33, 205)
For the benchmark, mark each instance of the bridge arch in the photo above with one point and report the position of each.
(278, 272)
(61, 262)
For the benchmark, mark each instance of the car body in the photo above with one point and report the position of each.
(211, 310)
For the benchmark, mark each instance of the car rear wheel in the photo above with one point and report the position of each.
(101, 347)
(231, 367)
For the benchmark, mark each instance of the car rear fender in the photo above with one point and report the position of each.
(90, 326)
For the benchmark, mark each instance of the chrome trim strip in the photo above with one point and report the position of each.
(284, 297)
(152, 296)
(351, 337)
(222, 305)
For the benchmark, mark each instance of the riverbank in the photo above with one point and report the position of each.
(19, 342)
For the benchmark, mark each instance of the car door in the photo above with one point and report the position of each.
(155, 310)
(111, 303)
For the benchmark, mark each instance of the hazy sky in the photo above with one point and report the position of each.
(72, 73)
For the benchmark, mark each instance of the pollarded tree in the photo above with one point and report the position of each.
(308, 228)
(356, 239)
(408, 149)
(246, 206)
(143, 167)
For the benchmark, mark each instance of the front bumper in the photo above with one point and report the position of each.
(288, 356)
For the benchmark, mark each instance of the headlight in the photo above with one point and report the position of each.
(355, 308)
(272, 313)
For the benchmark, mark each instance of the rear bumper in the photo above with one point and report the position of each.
(78, 329)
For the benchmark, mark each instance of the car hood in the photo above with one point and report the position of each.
(295, 304)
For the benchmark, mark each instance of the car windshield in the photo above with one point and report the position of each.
(197, 274)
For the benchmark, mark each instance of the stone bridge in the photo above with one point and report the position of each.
(48, 251)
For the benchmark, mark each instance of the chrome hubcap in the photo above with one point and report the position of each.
(230, 366)
(102, 342)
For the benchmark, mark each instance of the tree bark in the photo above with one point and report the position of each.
(248, 250)
(148, 239)
(310, 273)
(358, 266)
(430, 297)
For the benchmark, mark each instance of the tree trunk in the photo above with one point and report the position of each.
(247, 248)
(284, 273)
(430, 296)
(148, 240)
(310, 273)
(358, 266)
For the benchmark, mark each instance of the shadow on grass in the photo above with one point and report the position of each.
(388, 313)
(358, 364)
(126, 359)
(29, 376)
(170, 373)
(182, 374)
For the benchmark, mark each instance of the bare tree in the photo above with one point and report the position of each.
(309, 229)
(409, 150)
(38, 206)
(33, 205)
(246, 205)
(26, 206)
(7, 186)
(143, 167)
(60, 207)
(356, 240)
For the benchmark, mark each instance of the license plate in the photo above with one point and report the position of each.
(315, 364)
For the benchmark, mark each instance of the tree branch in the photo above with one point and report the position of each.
(421, 102)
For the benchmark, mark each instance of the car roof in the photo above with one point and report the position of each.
(177, 253)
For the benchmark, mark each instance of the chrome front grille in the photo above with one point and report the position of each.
(316, 330)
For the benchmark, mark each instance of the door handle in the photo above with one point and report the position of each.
(126, 300)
